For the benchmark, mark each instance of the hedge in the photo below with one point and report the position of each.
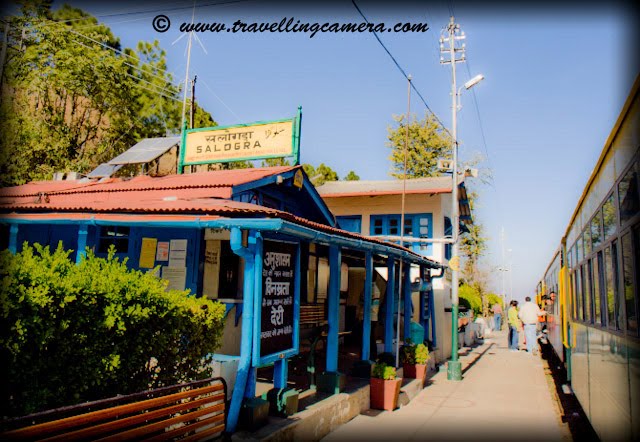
(72, 333)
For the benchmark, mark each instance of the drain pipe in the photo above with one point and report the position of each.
(432, 307)
(244, 365)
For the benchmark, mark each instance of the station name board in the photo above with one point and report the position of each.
(271, 139)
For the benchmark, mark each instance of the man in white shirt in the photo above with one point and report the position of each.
(529, 313)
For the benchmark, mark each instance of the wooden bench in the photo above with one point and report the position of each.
(312, 314)
(191, 411)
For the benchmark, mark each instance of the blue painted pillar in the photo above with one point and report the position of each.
(406, 288)
(256, 243)
(366, 317)
(388, 306)
(335, 259)
(252, 378)
(423, 304)
(280, 369)
(244, 366)
(13, 238)
(82, 242)
(432, 315)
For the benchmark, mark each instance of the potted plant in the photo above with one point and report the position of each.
(414, 360)
(385, 387)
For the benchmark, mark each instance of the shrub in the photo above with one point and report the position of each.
(492, 299)
(472, 297)
(414, 354)
(383, 371)
(71, 333)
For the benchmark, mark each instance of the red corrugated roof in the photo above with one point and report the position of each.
(205, 192)
(202, 194)
(386, 192)
(219, 178)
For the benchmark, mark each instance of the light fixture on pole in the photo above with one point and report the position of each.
(456, 52)
(475, 80)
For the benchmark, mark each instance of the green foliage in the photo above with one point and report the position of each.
(321, 174)
(383, 371)
(414, 354)
(273, 162)
(351, 176)
(473, 297)
(492, 299)
(71, 333)
(428, 142)
(70, 103)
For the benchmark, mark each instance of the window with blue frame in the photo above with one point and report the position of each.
(448, 231)
(113, 235)
(350, 223)
(416, 225)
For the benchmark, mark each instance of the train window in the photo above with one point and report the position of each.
(627, 277)
(579, 294)
(588, 291)
(610, 288)
(596, 229)
(570, 258)
(609, 216)
(587, 242)
(597, 287)
(628, 196)
(579, 254)
(616, 285)
(572, 283)
(636, 262)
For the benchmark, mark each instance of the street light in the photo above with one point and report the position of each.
(454, 367)
(510, 274)
(475, 80)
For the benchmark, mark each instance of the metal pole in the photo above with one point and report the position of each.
(510, 276)
(454, 367)
(404, 189)
(504, 267)
(193, 100)
(184, 99)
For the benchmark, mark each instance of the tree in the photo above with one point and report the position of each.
(428, 142)
(321, 174)
(351, 176)
(72, 99)
(274, 162)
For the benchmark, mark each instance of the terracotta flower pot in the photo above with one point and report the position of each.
(414, 371)
(384, 394)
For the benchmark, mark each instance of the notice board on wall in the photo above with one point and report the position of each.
(278, 291)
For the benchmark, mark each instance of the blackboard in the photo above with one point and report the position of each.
(278, 289)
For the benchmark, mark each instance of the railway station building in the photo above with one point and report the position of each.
(262, 241)
(373, 209)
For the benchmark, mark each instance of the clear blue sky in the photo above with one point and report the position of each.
(556, 79)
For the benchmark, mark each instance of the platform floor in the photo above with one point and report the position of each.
(504, 395)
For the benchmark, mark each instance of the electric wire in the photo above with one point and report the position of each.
(220, 100)
(477, 106)
(169, 91)
(148, 11)
(413, 86)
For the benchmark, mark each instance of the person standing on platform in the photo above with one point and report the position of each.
(514, 325)
(497, 315)
(529, 313)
